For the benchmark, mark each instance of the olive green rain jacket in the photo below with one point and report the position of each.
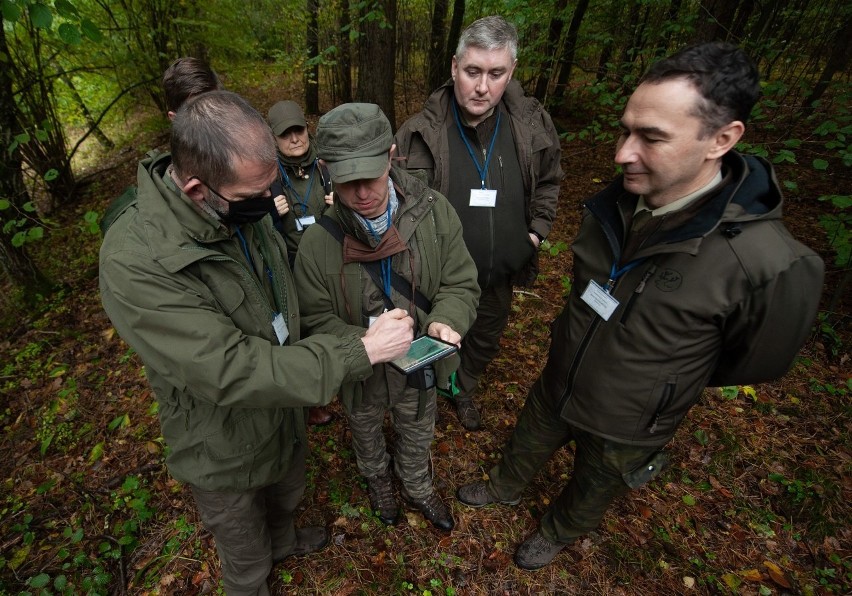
(339, 298)
(196, 300)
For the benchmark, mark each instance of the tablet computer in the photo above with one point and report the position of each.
(424, 350)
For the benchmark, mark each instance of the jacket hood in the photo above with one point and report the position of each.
(177, 231)
(753, 194)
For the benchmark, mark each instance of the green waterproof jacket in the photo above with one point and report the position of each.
(339, 298)
(197, 304)
(719, 294)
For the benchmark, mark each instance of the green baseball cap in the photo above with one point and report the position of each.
(284, 115)
(354, 139)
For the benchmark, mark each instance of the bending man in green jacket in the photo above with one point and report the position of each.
(386, 217)
(195, 278)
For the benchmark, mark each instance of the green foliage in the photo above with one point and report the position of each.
(838, 227)
(827, 326)
(732, 391)
(58, 421)
(553, 249)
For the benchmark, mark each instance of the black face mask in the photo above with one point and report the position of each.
(245, 211)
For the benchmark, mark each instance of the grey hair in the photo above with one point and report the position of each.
(211, 130)
(489, 33)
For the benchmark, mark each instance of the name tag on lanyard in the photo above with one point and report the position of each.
(601, 301)
(483, 197)
(304, 222)
(279, 325)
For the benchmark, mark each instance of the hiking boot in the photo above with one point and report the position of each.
(319, 416)
(308, 540)
(380, 489)
(468, 414)
(433, 509)
(536, 552)
(477, 494)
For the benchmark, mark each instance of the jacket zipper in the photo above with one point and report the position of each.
(665, 402)
(639, 289)
(581, 350)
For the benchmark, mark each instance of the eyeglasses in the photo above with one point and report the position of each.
(256, 197)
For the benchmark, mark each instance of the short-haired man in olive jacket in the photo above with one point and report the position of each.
(684, 277)
(494, 153)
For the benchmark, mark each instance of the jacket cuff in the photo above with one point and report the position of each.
(356, 360)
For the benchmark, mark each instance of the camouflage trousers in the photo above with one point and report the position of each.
(413, 425)
(603, 469)
(482, 342)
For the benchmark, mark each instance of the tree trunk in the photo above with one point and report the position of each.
(99, 134)
(554, 34)
(344, 56)
(455, 30)
(439, 67)
(719, 18)
(566, 61)
(312, 70)
(377, 57)
(841, 55)
(15, 261)
(738, 27)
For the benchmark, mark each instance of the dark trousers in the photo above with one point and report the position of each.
(482, 342)
(253, 529)
(601, 468)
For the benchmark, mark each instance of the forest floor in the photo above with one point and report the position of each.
(757, 500)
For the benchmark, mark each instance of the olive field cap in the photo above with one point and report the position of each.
(284, 115)
(354, 139)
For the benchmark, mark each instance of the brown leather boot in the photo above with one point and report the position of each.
(382, 500)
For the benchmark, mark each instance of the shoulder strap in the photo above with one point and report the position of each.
(399, 283)
(117, 207)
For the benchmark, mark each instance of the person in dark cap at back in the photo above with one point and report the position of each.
(302, 190)
(388, 241)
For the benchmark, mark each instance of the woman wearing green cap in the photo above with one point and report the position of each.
(302, 190)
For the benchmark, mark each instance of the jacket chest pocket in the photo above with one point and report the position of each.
(245, 313)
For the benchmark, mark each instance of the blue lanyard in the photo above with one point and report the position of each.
(247, 253)
(303, 203)
(386, 262)
(614, 273)
(483, 171)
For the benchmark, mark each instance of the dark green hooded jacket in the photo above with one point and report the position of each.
(726, 297)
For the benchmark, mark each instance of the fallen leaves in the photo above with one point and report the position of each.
(778, 575)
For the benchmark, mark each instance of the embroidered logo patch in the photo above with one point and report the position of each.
(668, 280)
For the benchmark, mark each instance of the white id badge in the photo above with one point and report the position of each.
(280, 327)
(371, 320)
(483, 197)
(600, 300)
(304, 222)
